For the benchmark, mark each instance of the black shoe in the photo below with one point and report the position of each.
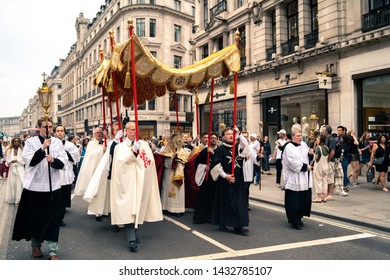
(178, 215)
(137, 240)
(133, 246)
(224, 228)
(249, 209)
(301, 223)
(99, 218)
(63, 223)
(296, 226)
(240, 230)
(116, 228)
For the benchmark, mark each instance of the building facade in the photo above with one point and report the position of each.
(164, 27)
(289, 49)
(9, 127)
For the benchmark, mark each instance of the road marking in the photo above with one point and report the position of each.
(323, 220)
(201, 235)
(281, 247)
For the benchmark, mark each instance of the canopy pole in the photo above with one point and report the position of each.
(110, 111)
(133, 78)
(237, 41)
(177, 111)
(210, 124)
(197, 113)
(115, 84)
(103, 104)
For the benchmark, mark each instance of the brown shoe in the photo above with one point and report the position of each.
(36, 252)
(53, 258)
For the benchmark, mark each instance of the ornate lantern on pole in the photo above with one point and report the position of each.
(313, 122)
(45, 95)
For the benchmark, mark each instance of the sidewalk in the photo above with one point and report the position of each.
(365, 206)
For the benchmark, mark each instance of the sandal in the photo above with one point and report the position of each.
(317, 201)
(385, 189)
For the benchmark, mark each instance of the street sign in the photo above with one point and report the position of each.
(324, 82)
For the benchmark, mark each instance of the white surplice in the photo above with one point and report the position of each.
(91, 160)
(14, 187)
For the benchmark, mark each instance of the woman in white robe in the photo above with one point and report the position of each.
(15, 163)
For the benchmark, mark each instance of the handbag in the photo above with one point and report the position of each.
(370, 174)
(379, 160)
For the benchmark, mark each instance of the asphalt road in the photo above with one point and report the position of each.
(269, 238)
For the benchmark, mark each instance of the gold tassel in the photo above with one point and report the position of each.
(196, 97)
(207, 101)
(110, 87)
(127, 80)
(231, 89)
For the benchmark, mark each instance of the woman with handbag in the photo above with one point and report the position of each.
(380, 158)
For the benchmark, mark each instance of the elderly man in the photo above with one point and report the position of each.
(93, 155)
(297, 198)
(134, 193)
(39, 212)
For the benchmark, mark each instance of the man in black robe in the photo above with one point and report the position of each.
(230, 203)
(204, 202)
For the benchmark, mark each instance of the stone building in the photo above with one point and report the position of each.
(329, 57)
(163, 26)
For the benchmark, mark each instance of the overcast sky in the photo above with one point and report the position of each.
(35, 35)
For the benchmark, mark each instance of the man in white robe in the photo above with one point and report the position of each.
(98, 190)
(93, 155)
(67, 173)
(297, 200)
(134, 186)
(38, 217)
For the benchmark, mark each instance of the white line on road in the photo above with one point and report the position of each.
(281, 247)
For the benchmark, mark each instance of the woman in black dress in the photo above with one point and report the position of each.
(381, 149)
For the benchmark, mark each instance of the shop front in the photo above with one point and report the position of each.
(373, 92)
(223, 115)
(285, 107)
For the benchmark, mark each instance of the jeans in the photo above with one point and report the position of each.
(53, 246)
(344, 163)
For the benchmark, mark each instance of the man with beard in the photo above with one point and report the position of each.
(297, 198)
(67, 174)
(231, 202)
(38, 217)
(204, 203)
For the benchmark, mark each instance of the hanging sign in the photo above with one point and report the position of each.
(324, 82)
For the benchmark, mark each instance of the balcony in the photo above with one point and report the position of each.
(377, 18)
(217, 9)
(311, 39)
(269, 52)
(288, 47)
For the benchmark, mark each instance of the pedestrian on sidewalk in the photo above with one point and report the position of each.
(320, 171)
(266, 151)
(14, 161)
(296, 168)
(38, 216)
(381, 149)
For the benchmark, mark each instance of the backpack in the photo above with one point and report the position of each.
(337, 150)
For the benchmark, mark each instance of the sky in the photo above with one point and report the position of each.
(34, 36)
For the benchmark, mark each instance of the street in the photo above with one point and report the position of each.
(269, 238)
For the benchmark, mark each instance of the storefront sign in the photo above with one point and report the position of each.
(324, 82)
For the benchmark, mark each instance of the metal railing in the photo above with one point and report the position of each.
(288, 47)
(376, 19)
(311, 39)
(269, 52)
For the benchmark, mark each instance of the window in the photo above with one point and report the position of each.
(140, 27)
(193, 11)
(205, 13)
(239, 3)
(176, 61)
(242, 46)
(118, 34)
(59, 107)
(152, 2)
(59, 86)
(140, 1)
(152, 105)
(219, 43)
(314, 15)
(205, 51)
(142, 107)
(177, 30)
(177, 5)
(375, 4)
(152, 27)
(59, 97)
(154, 53)
(292, 20)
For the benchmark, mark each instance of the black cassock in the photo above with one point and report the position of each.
(204, 202)
(230, 200)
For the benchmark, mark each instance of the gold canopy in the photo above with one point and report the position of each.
(153, 78)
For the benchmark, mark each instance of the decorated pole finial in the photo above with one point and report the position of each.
(237, 38)
(130, 22)
(44, 76)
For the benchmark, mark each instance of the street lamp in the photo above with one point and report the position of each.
(313, 121)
